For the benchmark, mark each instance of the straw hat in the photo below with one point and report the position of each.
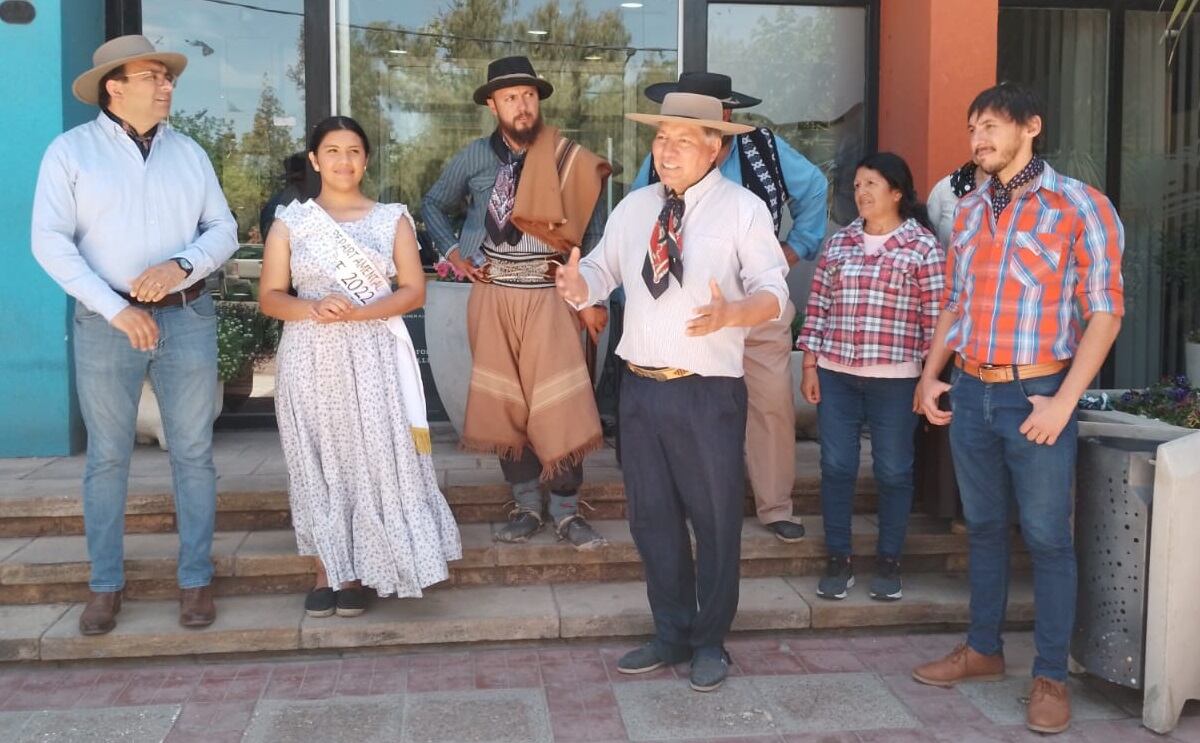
(116, 52)
(691, 108)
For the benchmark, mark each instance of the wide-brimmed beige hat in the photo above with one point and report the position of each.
(691, 108)
(116, 52)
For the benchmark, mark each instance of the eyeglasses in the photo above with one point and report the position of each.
(159, 78)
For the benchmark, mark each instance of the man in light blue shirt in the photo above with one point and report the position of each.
(773, 170)
(129, 219)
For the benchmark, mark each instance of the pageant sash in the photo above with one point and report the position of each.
(365, 284)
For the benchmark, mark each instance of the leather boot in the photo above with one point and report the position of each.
(1049, 706)
(99, 616)
(962, 664)
(196, 607)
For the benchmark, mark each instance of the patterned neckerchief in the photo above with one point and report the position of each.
(1002, 194)
(666, 247)
(504, 194)
(962, 181)
(142, 141)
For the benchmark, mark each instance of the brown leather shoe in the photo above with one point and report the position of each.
(1049, 706)
(99, 616)
(962, 664)
(196, 607)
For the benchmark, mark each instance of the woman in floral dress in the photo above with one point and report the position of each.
(363, 491)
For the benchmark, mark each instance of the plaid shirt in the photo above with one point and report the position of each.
(1015, 283)
(866, 310)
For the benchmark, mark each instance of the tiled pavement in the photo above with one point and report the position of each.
(783, 688)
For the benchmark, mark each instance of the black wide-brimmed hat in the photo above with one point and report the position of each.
(712, 84)
(510, 71)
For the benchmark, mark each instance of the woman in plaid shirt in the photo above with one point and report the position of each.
(870, 319)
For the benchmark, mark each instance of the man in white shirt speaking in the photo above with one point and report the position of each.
(128, 218)
(700, 263)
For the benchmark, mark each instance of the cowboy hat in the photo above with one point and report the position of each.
(116, 52)
(508, 72)
(691, 108)
(705, 83)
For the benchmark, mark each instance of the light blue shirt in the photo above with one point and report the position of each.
(102, 215)
(806, 186)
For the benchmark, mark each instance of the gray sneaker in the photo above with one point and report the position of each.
(838, 578)
(709, 670)
(786, 531)
(522, 524)
(885, 584)
(644, 660)
(576, 530)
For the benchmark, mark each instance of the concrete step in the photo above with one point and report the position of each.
(51, 569)
(466, 614)
(252, 490)
(245, 503)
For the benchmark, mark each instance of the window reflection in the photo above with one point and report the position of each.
(808, 66)
(407, 72)
(242, 100)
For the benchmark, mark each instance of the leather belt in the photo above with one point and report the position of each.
(658, 373)
(187, 296)
(997, 374)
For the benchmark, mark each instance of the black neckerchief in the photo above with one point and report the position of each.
(1002, 193)
(962, 181)
(142, 141)
(509, 234)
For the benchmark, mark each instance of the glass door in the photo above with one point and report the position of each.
(808, 63)
(242, 99)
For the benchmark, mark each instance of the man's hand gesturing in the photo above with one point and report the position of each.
(570, 283)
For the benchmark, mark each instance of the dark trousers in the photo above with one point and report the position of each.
(682, 451)
(885, 405)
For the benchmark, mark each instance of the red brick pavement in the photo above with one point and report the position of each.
(218, 699)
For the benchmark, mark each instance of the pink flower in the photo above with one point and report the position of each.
(443, 269)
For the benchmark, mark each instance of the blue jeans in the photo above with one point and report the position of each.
(885, 405)
(108, 378)
(995, 463)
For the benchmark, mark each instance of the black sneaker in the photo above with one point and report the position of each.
(885, 585)
(320, 602)
(576, 530)
(786, 531)
(351, 602)
(522, 524)
(709, 670)
(838, 578)
(646, 659)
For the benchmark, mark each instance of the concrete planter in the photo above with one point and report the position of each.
(806, 412)
(446, 343)
(149, 427)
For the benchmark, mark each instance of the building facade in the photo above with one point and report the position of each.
(838, 79)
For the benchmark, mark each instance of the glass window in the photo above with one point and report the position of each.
(808, 65)
(242, 99)
(1063, 55)
(406, 71)
(1160, 198)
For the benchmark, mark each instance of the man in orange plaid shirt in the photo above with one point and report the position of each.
(1033, 304)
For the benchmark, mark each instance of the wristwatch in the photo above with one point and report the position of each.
(185, 264)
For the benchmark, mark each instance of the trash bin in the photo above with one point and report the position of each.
(1114, 487)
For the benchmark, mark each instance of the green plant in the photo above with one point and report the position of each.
(244, 336)
(1180, 14)
(1172, 401)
